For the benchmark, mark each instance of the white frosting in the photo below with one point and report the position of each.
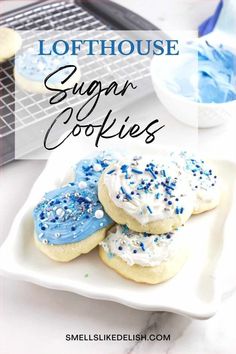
(203, 181)
(147, 190)
(141, 248)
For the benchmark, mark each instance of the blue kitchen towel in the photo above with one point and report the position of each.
(208, 25)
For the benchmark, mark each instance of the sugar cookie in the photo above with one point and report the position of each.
(143, 195)
(143, 257)
(203, 181)
(31, 69)
(10, 43)
(69, 221)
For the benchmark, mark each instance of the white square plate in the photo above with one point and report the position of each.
(194, 292)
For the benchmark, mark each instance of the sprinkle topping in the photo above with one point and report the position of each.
(72, 213)
(142, 248)
(147, 190)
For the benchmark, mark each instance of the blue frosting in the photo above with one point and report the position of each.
(37, 67)
(89, 170)
(216, 76)
(73, 212)
(69, 214)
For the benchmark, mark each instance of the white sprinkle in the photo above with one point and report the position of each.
(97, 167)
(82, 184)
(41, 235)
(57, 235)
(101, 224)
(60, 212)
(45, 241)
(99, 214)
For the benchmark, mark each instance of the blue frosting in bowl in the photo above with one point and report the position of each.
(215, 79)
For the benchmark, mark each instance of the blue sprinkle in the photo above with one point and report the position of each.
(134, 251)
(73, 228)
(168, 187)
(124, 168)
(149, 209)
(151, 172)
(128, 196)
(110, 172)
(120, 248)
(142, 246)
(177, 210)
(158, 195)
(170, 202)
(122, 190)
(134, 170)
(163, 173)
(181, 210)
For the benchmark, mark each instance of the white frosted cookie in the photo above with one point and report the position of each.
(143, 257)
(10, 43)
(202, 179)
(143, 195)
(31, 69)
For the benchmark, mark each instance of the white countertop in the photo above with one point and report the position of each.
(36, 320)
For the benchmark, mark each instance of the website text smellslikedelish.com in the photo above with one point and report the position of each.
(115, 337)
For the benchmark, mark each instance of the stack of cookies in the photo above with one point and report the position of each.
(134, 208)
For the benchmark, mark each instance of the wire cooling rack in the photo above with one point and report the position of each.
(57, 15)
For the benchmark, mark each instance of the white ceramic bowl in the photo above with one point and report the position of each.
(202, 115)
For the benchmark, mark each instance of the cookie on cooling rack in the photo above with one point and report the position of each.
(143, 257)
(31, 69)
(10, 43)
(145, 196)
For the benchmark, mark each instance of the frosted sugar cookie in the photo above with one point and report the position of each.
(203, 181)
(143, 257)
(143, 195)
(31, 69)
(10, 43)
(69, 221)
(90, 169)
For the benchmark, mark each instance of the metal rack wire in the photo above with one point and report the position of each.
(55, 16)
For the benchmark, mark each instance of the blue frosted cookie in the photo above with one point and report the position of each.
(31, 69)
(71, 218)
(88, 171)
(69, 221)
